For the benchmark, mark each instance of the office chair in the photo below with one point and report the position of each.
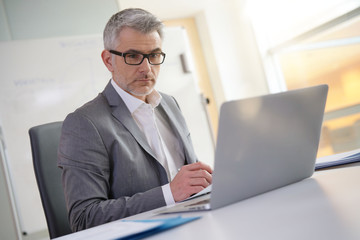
(44, 141)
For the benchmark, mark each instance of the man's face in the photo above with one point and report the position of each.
(138, 80)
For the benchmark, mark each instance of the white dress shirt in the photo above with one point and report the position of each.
(159, 134)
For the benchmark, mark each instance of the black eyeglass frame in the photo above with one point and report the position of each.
(144, 56)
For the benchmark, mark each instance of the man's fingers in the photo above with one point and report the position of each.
(202, 174)
(199, 182)
(197, 166)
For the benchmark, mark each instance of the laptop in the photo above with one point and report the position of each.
(263, 143)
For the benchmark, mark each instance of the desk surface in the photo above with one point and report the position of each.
(325, 206)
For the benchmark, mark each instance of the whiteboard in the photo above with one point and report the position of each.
(43, 80)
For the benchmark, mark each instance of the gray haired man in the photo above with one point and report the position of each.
(128, 150)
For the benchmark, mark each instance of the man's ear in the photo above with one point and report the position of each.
(107, 59)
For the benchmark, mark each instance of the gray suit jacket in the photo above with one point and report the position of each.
(108, 169)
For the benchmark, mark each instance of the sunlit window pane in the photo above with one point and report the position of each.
(331, 58)
(338, 67)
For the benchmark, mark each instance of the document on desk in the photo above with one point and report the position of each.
(338, 159)
(202, 192)
(129, 229)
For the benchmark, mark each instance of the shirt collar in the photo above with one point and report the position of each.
(133, 103)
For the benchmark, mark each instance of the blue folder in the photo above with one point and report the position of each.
(166, 224)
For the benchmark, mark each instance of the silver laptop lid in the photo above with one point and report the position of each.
(266, 142)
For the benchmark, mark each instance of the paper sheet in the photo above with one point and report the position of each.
(202, 192)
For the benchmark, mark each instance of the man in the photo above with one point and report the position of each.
(129, 149)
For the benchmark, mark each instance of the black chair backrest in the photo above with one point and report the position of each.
(44, 144)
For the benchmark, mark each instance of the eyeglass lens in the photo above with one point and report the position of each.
(137, 58)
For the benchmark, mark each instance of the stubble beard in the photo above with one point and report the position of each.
(139, 89)
(140, 94)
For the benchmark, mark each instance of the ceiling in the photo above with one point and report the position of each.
(165, 9)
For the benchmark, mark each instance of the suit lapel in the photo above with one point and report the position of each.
(178, 127)
(123, 115)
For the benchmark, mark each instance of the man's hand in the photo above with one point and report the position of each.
(190, 179)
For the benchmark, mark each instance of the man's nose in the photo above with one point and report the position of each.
(145, 66)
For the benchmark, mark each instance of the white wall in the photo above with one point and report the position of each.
(240, 70)
(22, 21)
(228, 42)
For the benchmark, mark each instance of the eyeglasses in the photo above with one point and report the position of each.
(155, 58)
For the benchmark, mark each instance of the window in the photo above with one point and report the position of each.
(332, 58)
(325, 53)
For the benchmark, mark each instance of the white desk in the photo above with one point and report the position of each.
(326, 206)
